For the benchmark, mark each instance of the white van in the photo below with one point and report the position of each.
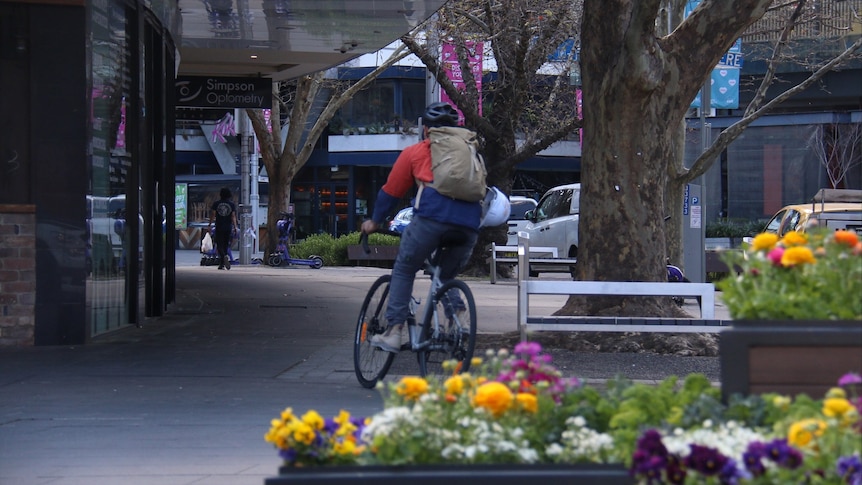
(554, 222)
(518, 217)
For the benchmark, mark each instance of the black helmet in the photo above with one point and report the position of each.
(440, 114)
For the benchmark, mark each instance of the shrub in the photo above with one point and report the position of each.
(733, 228)
(317, 244)
(334, 251)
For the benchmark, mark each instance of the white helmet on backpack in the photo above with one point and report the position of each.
(495, 208)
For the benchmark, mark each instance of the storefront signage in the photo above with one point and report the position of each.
(224, 92)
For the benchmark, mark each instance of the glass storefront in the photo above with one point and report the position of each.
(126, 209)
(109, 219)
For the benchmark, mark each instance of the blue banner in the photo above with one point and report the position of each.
(724, 82)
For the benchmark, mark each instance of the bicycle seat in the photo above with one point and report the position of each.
(452, 238)
(447, 240)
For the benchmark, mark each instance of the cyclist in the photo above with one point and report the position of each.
(435, 218)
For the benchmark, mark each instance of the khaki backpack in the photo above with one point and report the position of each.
(458, 168)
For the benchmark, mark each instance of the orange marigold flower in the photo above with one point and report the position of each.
(764, 241)
(797, 255)
(794, 238)
(493, 396)
(857, 249)
(847, 238)
(412, 388)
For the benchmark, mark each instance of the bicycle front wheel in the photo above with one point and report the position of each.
(370, 363)
(455, 317)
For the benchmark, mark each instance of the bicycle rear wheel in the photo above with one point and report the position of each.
(370, 363)
(455, 311)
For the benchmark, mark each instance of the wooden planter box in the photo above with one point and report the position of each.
(456, 475)
(382, 256)
(788, 357)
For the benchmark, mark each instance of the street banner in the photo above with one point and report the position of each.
(453, 71)
(724, 81)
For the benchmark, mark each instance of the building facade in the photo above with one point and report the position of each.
(85, 91)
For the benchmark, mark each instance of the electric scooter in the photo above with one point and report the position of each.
(281, 254)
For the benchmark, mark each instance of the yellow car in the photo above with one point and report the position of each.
(835, 208)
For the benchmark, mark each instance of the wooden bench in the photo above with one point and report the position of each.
(508, 254)
(377, 254)
(526, 287)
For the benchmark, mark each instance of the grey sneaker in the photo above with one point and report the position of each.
(226, 261)
(390, 340)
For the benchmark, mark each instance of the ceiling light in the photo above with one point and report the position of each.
(253, 56)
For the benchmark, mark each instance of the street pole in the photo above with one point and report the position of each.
(255, 195)
(244, 212)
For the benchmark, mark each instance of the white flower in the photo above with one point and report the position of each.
(729, 439)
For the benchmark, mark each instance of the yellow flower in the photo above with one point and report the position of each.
(303, 433)
(802, 432)
(454, 385)
(797, 255)
(411, 387)
(346, 447)
(764, 241)
(493, 396)
(794, 238)
(836, 407)
(346, 429)
(781, 402)
(343, 417)
(313, 419)
(287, 415)
(527, 402)
(836, 392)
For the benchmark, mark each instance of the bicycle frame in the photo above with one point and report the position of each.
(414, 328)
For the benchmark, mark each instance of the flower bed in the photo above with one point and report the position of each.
(518, 411)
(802, 276)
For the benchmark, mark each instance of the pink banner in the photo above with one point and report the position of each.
(453, 72)
(580, 100)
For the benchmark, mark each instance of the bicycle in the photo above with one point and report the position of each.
(447, 330)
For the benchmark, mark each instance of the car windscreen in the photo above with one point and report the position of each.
(519, 209)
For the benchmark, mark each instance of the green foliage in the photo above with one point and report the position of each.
(317, 244)
(334, 251)
(733, 228)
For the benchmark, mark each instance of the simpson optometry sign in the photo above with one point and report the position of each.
(224, 92)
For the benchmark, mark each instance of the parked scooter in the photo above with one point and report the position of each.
(281, 254)
(675, 275)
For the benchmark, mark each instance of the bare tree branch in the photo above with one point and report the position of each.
(703, 162)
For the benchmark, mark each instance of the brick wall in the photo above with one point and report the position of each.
(17, 274)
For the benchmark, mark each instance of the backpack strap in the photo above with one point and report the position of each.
(421, 186)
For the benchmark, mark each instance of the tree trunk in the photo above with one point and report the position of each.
(638, 86)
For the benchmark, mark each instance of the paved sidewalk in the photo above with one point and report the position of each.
(187, 398)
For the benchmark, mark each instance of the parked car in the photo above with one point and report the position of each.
(401, 219)
(833, 208)
(518, 216)
(554, 222)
